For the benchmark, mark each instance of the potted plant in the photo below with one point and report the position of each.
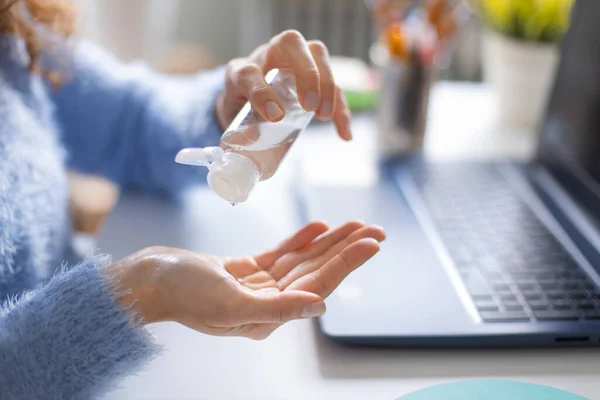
(520, 54)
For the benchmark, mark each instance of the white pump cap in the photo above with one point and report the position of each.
(230, 175)
(234, 178)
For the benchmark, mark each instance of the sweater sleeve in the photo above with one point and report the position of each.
(69, 340)
(127, 123)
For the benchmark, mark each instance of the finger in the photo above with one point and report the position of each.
(258, 277)
(271, 307)
(319, 246)
(292, 48)
(324, 280)
(272, 284)
(342, 116)
(373, 232)
(248, 79)
(300, 239)
(241, 267)
(259, 55)
(259, 280)
(320, 55)
(330, 238)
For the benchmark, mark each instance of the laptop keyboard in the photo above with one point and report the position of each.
(513, 267)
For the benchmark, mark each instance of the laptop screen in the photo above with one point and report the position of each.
(570, 136)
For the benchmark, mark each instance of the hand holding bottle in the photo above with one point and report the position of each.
(270, 97)
(307, 60)
(244, 296)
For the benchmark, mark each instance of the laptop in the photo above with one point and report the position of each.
(497, 254)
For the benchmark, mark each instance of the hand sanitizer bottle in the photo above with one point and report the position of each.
(252, 148)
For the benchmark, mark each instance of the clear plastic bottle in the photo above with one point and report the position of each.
(252, 148)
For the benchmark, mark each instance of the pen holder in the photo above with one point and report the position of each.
(402, 108)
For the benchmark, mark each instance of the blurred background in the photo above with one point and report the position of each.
(509, 44)
(183, 35)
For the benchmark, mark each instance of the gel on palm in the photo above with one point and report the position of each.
(251, 148)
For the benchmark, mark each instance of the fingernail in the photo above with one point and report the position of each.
(313, 310)
(349, 130)
(273, 110)
(326, 108)
(311, 101)
(380, 228)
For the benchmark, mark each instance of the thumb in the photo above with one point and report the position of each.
(280, 307)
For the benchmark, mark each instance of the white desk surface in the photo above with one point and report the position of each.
(296, 362)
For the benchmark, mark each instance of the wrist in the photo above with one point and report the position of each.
(135, 289)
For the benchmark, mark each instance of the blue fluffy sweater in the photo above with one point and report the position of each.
(62, 336)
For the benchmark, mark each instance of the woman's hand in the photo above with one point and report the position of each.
(310, 63)
(244, 296)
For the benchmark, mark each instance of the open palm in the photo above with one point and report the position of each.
(249, 296)
(314, 260)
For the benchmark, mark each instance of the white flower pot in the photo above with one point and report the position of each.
(521, 74)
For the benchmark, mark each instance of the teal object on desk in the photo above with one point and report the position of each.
(491, 390)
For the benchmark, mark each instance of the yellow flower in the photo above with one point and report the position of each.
(499, 11)
(534, 20)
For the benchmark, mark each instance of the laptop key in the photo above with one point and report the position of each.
(476, 286)
(538, 304)
(486, 305)
(506, 316)
(570, 286)
(513, 307)
(496, 277)
(588, 286)
(544, 276)
(525, 286)
(584, 304)
(512, 269)
(523, 280)
(508, 296)
(554, 294)
(531, 296)
(511, 303)
(555, 315)
(591, 314)
(547, 286)
(560, 303)
(576, 294)
(562, 274)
